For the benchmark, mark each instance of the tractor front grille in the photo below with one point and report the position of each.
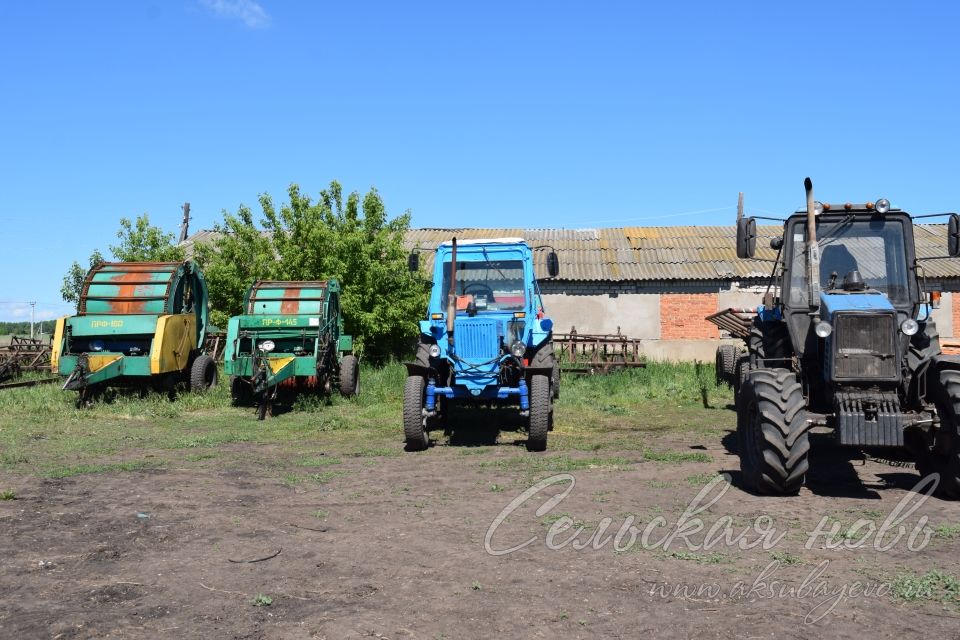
(864, 346)
(477, 340)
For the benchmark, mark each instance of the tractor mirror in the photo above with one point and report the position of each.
(413, 262)
(553, 264)
(746, 238)
(953, 235)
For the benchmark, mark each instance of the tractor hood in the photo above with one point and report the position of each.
(831, 303)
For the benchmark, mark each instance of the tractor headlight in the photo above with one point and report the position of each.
(909, 327)
(434, 351)
(517, 349)
(96, 345)
(823, 329)
(883, 205)
(268, 345)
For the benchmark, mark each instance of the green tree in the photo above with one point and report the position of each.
(352, 239)
(140, 241)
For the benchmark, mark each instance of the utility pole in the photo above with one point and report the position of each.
(33, 307)
(185, 225)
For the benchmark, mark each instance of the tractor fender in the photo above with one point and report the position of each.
(417, 369)
(930, 375)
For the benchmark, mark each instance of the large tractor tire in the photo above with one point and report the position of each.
(541, 410)
(414, 425)
(203, 373)
(769, 344)
(944, 456)
(726, 362)
(772, 429)
(349, 376)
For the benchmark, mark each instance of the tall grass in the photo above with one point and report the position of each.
(42, 430)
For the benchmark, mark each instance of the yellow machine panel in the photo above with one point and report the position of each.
(175, 338)
(57, 347)
(96, 362)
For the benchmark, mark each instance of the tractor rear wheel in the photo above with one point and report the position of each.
(414, 426)
(768, 341)
(772, 429)
(540, 412)
(555, 381)
(944, 456)
(349, 376)
(726, 362)
(203, 373)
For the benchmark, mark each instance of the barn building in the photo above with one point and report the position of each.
(657, 284)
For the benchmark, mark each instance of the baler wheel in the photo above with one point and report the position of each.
(414, 431)
(203, 373)
(540, 413)
(726, 362)
(772, 429)
(349, 376)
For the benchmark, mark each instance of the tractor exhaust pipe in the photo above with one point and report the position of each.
(452, 295)
(813, 251)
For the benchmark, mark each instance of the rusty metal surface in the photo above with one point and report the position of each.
(736, 322)
(590, 354)
(23, 354)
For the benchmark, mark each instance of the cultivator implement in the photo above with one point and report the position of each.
(591, 354)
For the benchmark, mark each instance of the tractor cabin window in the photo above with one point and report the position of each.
(492, 285)
(875, 248)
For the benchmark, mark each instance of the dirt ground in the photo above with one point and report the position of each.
(394, 547)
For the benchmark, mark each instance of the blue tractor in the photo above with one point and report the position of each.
(844, 340)
(485, 340)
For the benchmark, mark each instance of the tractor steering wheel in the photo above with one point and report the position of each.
(485, 290)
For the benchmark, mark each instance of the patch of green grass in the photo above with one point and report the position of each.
(701, 558)
(947, 531)
(320, 514)
(786, 558)
(675, 457)
(8, 494)
(496, 488)
(326, 476)
(262, 600)
(934, 586)
(80, 469)
(555, 464)
(700, 479)
(318, 461)
(476, 586)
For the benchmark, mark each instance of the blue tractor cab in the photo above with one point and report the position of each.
(485, 339)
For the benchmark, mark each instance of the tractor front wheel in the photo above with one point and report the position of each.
(541, 410)
(772, 430)
(414, 426)
(944, 457)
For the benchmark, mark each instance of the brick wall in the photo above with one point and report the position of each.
(955, 307)
(682, 316)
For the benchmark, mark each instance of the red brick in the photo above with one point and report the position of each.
(682, 316)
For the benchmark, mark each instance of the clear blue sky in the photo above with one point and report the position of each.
(468, 114)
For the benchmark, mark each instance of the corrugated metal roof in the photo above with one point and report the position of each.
(653, 253)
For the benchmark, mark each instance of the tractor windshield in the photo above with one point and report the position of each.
(875, 248)
(492, 285)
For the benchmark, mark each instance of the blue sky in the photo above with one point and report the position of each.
(468, 114)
